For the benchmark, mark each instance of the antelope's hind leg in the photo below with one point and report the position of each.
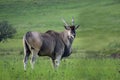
(33, 57)
(26, 56)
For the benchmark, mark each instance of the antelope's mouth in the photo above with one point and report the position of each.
(71, 37)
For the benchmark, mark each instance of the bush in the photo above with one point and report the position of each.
(6, 30)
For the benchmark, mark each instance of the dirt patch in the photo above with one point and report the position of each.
(115, 55)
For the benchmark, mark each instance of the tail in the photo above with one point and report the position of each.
(25, 45)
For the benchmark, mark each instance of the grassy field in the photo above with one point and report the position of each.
(98, 36)
(70, 69)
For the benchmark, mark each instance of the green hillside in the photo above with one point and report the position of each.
(99, 20)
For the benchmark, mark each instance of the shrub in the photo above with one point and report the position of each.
(6, 30)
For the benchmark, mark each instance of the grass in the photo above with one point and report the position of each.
(97, 35)
(70, 69)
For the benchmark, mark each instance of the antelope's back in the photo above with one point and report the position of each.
(52, 42)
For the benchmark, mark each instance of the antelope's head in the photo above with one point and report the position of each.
(71, 29)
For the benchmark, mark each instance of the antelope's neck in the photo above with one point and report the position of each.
(66, 39)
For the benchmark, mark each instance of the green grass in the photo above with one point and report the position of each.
(98, 35)
(70, 69)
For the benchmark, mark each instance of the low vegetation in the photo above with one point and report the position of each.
(6, 31)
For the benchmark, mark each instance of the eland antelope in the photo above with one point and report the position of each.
(54, 44)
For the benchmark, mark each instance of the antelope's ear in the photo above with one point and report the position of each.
(77, 26)
(67, 28)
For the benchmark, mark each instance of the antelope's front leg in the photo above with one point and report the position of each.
(57, 59)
